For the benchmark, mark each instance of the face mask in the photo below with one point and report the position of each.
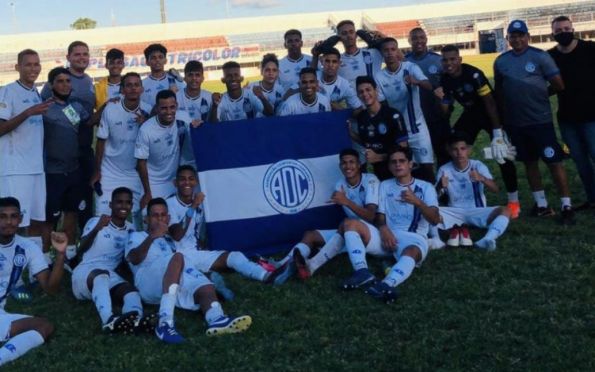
(564, 38)
(62, 97)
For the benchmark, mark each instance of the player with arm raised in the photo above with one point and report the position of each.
(309, 100)
(21, 333)
(468, 86)
(103, 242)
(464, 180)
(269, 85)
(165, 277)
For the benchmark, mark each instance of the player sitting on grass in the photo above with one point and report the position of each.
(238, 103)
(165, 277)
(406, 208)
(22, 333)
(464, 180)
(357, 193)
(103, 242)
(185, 224)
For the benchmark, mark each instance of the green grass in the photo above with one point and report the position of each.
(527, 306)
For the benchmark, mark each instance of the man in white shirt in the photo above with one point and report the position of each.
(159, 79)
(309, 100)
(291, 65)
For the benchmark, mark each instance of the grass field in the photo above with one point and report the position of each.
(528, 306)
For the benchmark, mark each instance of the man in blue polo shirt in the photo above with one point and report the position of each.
(521, 77)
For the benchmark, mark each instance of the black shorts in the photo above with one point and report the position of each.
(64, 194)
(536, 141)
(472, 122)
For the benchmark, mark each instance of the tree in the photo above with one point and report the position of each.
(83, 24)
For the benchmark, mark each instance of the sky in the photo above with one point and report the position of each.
(19, 16)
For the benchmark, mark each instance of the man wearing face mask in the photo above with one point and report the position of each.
(576, 113)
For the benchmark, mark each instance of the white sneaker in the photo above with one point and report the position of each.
(487, 244)
(436, 243)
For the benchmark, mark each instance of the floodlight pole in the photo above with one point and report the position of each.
(163, 19)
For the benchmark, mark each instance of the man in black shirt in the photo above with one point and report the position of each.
(379, 127)
(471, 89)
(576, 103)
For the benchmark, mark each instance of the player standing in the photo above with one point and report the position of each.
(108, 87)
(291, 65)
(335, 87)
(269, 85)
(158, 79)
(195, 101)
(309, 100)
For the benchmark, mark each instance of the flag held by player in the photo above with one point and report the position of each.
(266, 181)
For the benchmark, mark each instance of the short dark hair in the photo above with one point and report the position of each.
(348, 152)
(333, 51)
(402, 149)
(113, 54)
(75, 44)
(53, 74)
(25, 52)
(128, 75)
(10, 201)
(458, 136)
(269, 57)
(450, 48)
(416, 29)
(121, 190)
(307, 70)
(152, 48)
(229, 65)
(345, 22)
(561, 18)
(165, 94)
(364, 79)
(388, 40)
(154, 202)
(292, 31)
(185, 167)
(193, 66)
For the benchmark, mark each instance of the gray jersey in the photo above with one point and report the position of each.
(431, 65)
(61, 125)
(523, 81)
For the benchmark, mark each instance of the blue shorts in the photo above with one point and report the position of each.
(536, 141)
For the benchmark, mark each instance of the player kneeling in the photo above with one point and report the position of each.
(103, 242)
(464, 180)
(166, 277)
(22, 333)
(185, 224)
(406, 208)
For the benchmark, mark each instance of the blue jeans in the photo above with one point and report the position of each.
(580, 139)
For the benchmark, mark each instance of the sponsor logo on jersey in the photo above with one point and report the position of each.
(433, 69)
(549, 152)
(288, 186)
(19, 260)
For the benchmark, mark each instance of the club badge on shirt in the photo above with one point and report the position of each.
(72, 115)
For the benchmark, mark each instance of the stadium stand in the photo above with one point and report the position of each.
(179, 44)
(398, 29)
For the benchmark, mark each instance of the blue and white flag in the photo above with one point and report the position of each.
(269, 180)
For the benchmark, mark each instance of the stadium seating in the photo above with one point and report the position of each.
(179, 44)
(397, 29)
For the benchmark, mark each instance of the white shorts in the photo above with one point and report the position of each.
(108, 185)
(421, 146)
(162, 190)
(81, 274)
(6, 320)
(404, 239)
(374, 246)
(327, 234)
(149, 282)
(30, 191)
(201, 260)
(452, 216)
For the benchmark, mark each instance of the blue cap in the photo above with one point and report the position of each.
(518, 26)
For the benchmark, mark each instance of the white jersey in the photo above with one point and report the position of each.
(401, 96)
(247, 106)
(274, 96)
(184, 122)
(177, 211)
(113, 91)
(160, 252)
(152, 86)
(402, 216)
(289, 70)
(462, 192)
(119, 128)
(21, 150)
(197, 107)
(15, 256)
(295, 105)
(108, 247)
(366, 61)
(338, 91)
(362, 194)
(160, 146)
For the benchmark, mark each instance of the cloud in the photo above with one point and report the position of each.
(259, 4)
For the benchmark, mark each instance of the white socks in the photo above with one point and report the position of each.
(244, 266)
(101, 297)
(214, 313)
(540, 199)
(565, 201)
(167, 306)
(132, 302)
(497, 227)
(400, 271)
(513, 196)
(19, 345)
(356, 250)
(326, 253)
